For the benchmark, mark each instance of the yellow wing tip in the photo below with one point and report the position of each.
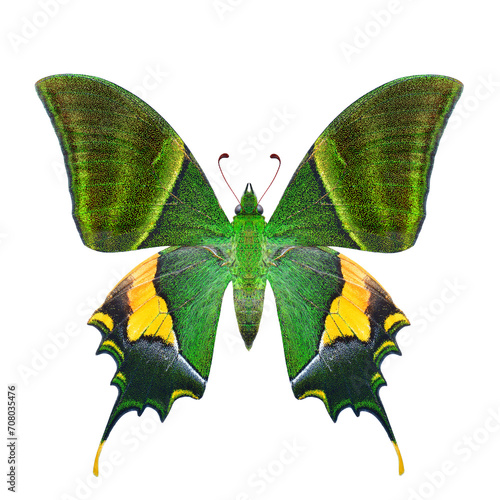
(400, 458)
(96, 461)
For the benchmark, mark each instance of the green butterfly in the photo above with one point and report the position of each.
(134, 184)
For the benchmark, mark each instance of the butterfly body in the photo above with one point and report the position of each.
(248, 266)
(362, 185)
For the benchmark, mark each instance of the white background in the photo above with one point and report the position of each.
(219, 72)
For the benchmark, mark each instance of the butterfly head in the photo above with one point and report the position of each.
(249, 204)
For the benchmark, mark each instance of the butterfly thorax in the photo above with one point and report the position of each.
(247, 265)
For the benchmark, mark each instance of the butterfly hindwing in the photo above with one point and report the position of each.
(133, 181)
(337, 324)
(159, 325)
(364, 182)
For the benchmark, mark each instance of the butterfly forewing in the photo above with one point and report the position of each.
(364, 182)
(133, 181)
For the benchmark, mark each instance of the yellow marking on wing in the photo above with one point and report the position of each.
(162, 325)
(141, 273)
(400, 458)
(103, 318)
(150, 316)
(114, 347)
(96, 461)
(387, 343)
(391, 320)
(335, 326)
(375, 378)
(151, 319)
(359, 277)
(354, 274)
(142, 287)
(121, 377)
(178, 393)
(317, 393)
(347, 316)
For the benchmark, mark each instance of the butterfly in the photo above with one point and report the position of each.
(363, 185)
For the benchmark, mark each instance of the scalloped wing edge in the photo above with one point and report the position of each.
(179, 370)
(375, 406)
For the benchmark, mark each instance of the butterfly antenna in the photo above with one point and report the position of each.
(276, 157)
(225, 155)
